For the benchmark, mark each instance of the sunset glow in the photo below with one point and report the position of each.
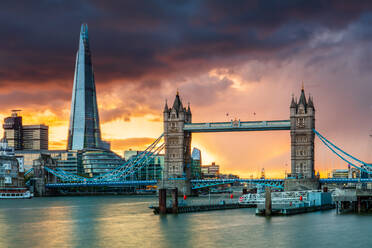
(225, 68)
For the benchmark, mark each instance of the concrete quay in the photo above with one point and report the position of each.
(295, 210)
(200, 208)
(353, 200)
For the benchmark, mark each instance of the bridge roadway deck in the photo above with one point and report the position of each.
(203, 182)
(101, 184)
(234, 126)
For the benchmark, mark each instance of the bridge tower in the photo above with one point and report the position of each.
(177, 161)
(302, 116)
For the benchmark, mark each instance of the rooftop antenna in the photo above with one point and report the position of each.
(15, 112)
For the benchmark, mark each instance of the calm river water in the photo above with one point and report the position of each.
(126, 221)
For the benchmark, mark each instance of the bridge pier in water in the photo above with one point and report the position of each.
(268, 206)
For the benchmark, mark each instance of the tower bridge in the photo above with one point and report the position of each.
(178, 129)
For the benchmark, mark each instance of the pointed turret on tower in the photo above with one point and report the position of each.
(166, 109)
(302, 99)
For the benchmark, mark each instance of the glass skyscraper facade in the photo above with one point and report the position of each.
(196, 162)
(84, 131)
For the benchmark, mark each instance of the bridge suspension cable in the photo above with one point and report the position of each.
(115, 173)
(120, 173)
(333, 148)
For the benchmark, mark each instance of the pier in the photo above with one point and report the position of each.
(195, 204)
(201, 208)
(353, 200)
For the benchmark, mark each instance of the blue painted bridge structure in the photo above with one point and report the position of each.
(204, 183)
(119, 177)
(276, 183)
(237, 125)
(196, 184)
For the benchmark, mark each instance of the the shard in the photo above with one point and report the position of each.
(84, 130)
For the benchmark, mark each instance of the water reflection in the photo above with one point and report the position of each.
(116, 221)
(39, 225)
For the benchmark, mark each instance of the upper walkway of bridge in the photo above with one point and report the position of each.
(237, 125)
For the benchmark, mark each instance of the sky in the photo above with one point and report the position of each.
(236, 57)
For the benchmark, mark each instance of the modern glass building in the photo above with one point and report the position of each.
(153, 170)
(69, 161)
(96, 162)
(196, 162)
(84, 131)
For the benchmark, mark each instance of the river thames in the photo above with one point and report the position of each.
(126, 221)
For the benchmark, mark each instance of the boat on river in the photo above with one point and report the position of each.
(15, 193)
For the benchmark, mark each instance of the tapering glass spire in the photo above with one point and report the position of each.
(84, 130)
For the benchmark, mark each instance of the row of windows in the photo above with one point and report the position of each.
(301, 139)
(173, 141)
(173, 169)
(172, 155)
(302, 167)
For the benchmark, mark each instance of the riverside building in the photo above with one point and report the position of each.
(11, 167)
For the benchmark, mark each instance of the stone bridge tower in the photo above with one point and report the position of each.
(177, 161)
(302, 115)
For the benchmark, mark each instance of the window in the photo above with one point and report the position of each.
(300, 122)
(301, 152)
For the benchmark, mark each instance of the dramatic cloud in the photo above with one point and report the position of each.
(236, 57)
(157, 38)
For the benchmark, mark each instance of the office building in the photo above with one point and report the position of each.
(153, 170)
(210, 171)
(196, 162)
(35, 137)
(84, 130)
(13, 130)
(25, 137)
(339, 173)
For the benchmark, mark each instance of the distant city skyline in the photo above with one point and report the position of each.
(221, 60)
